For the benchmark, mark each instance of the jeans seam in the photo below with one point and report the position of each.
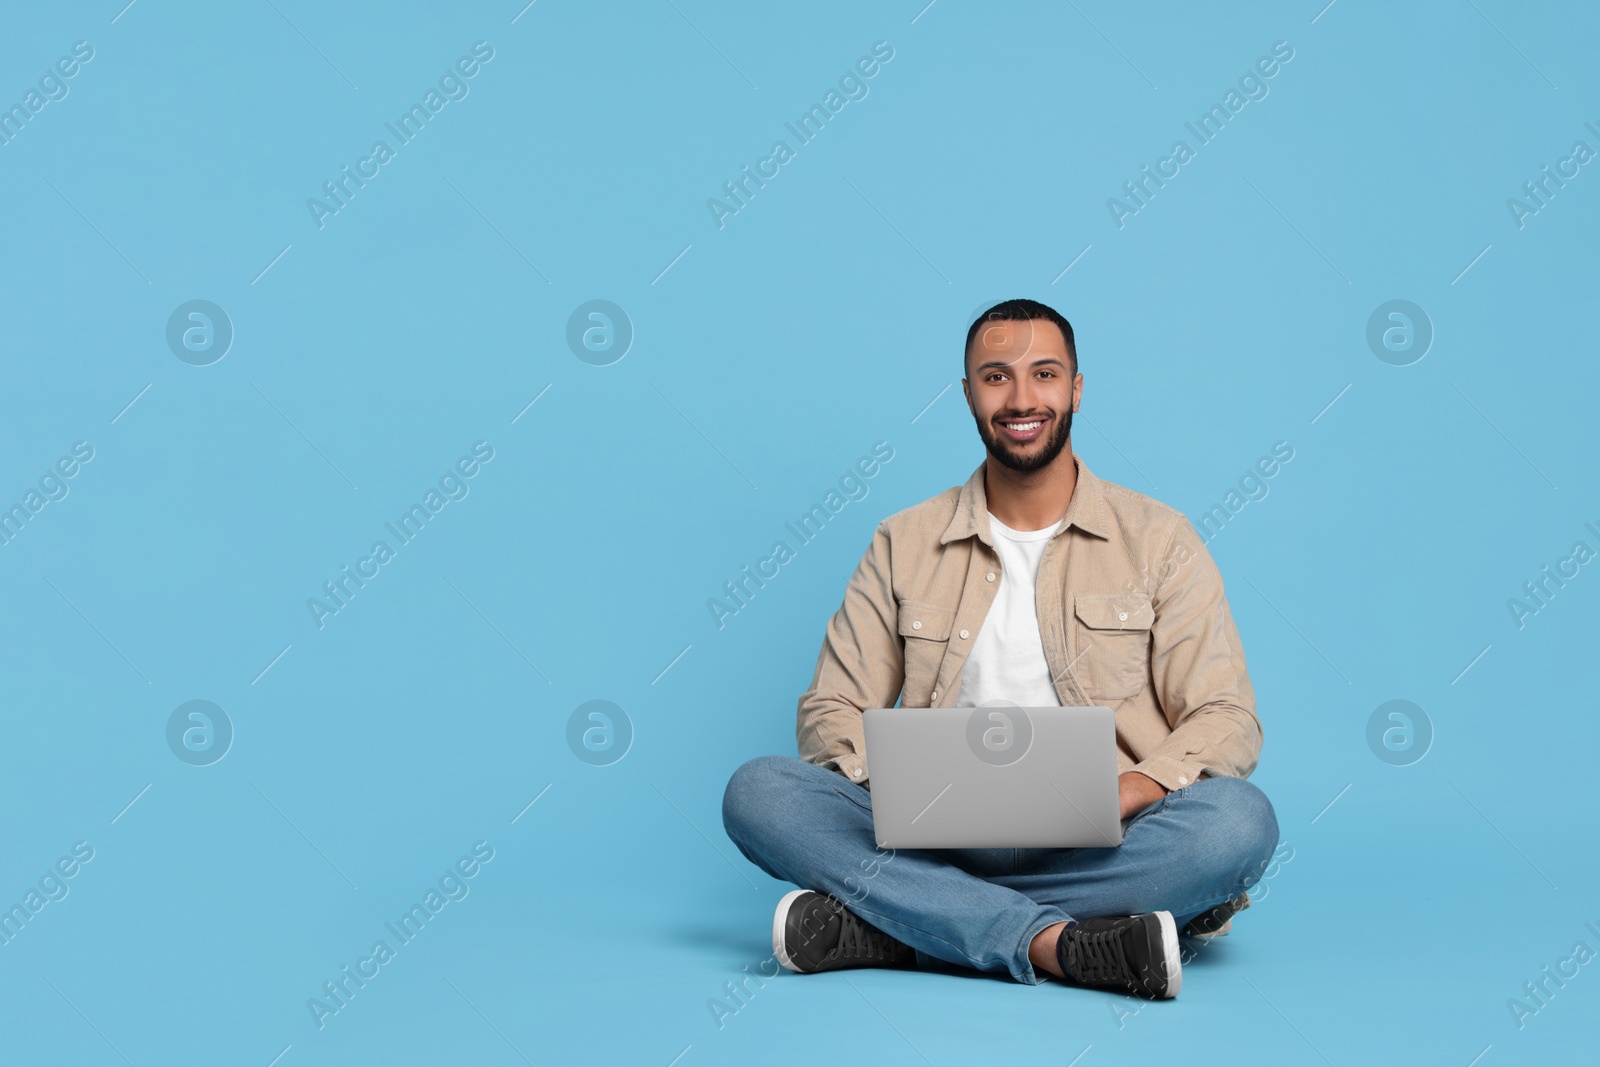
(957, 949)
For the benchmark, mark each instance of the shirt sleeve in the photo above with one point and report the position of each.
(1198, 666)
(861, 665)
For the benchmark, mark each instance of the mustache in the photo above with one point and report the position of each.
(1002, 449)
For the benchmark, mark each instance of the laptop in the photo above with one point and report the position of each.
(995, 776)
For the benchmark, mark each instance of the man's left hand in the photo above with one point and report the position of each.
(1137, 792)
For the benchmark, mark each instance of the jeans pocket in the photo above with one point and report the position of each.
(862, 801)
(1151, 808)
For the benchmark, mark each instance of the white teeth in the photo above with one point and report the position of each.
(1024, 427)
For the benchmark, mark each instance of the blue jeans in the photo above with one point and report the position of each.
(981, 908)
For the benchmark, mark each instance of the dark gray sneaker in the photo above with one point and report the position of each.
(1216, 921)
(1137, 954)
(813, 932)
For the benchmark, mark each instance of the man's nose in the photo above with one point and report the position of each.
(1022, 390)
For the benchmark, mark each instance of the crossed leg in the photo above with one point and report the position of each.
(982, 908)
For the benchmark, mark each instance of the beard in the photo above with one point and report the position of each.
(1009, 455)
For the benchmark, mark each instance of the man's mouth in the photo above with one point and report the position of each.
(1023, 429)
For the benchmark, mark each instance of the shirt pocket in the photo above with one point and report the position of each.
(925, 632)
(1113, 643)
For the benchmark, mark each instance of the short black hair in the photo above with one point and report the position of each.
(1021, 310)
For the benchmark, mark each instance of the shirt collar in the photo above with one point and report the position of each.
(1086, 510)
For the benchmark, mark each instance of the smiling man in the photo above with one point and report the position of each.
(1039, 584)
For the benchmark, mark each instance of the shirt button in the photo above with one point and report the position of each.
(990, 576)
(935, 695)
(1122, 616)
(963, 635)
(856, 772)
(917, 625)
(1182, 780)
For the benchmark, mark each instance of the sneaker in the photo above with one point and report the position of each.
(813, 932)
(1134, 953)
(1218, 920)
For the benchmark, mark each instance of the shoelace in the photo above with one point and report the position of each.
(1098, 956)
(859, 941)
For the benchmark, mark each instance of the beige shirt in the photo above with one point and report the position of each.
(1131, 612)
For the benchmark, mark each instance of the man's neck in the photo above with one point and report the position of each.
(1033, 500)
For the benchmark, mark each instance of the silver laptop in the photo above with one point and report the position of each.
(996, 776)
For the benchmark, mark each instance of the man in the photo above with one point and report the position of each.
(1040, 584)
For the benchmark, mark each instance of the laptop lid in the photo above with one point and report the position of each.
(997, 776)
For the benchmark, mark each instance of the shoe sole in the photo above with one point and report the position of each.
(1169, 941)
(778, 919)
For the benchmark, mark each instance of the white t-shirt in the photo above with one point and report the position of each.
(1007, 660)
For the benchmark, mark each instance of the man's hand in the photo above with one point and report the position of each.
(1137, 792)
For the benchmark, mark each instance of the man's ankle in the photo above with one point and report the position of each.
(1042, 950)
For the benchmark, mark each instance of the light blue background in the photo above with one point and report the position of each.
(825, 316)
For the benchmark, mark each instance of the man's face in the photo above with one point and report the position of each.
(1021, 391)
